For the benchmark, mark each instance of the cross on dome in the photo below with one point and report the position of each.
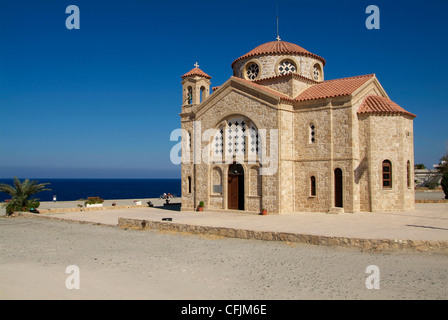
(196, 65)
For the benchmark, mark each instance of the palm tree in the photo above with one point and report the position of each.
(21, 193)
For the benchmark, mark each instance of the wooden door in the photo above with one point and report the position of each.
(233, 192)
(338, 189)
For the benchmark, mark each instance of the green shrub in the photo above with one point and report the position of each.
(201, 204)
(33, 204)
(12, 206)
(21, 192)
(94, 200)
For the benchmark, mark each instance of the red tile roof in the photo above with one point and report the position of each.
(322, 90)
(278, 47)
(337, 88)
(381, 105)
(333, 88)
(196, 72)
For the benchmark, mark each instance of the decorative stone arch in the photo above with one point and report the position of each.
(320, 69)
(229, 114)
(237, 137)
(249, 72)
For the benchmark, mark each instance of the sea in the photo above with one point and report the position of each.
(108, 189)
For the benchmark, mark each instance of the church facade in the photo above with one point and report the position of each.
(278, 136)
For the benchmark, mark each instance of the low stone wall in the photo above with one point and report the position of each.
(418, 189)
(65, 210)
(363, 244)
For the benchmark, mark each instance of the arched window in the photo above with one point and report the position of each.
(189, 184)
(252, 71)
(338, 188)
(317, 72)
(237, 138)
(236, 132)
(189, 140)
(408, 173)
(190, 95)
(286, 67)
(217, 180)
(387, 174)
(202, 94)
(313, 186)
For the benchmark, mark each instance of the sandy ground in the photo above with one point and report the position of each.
(129, 264)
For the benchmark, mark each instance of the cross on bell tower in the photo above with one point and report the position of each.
(195, 86)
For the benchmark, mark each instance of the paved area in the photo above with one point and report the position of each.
(426, 222)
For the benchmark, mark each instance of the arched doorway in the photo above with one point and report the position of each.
(236, 187)
(338, 189)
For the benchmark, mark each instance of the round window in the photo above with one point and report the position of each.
(252, 71)
(286, 67)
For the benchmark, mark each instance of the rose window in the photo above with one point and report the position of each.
(252, 71)
(286, 67)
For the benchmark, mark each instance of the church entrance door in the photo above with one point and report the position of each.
(236, 187)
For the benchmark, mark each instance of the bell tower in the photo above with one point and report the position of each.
(195, 89)
(195, 86)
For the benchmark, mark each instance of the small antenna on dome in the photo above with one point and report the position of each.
(278, 35)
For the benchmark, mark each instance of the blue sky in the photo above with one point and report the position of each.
(101, 101)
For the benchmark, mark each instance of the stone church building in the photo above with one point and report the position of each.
(278, 136)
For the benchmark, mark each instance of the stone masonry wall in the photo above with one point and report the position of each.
(268, 65)
(264, 116)
(391, 139)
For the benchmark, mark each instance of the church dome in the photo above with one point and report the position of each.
(278, 58)
(278, 47)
